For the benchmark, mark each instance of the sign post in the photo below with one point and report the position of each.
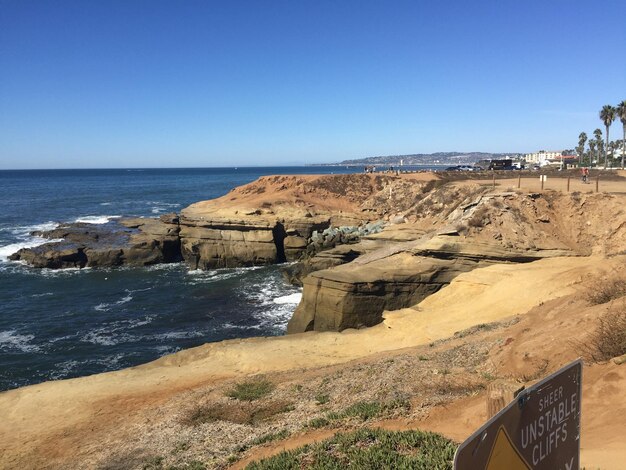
(540, 429)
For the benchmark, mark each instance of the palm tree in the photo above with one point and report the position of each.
(592, 152)
(598, 145)
(607, 116)
(621, 114)
(582, 138)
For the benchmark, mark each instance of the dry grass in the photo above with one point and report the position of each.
(478, 218)
(608, 340)
(608, 291)
(251, 390)
(237, 412)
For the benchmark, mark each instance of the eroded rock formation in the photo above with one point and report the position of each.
(133, 242)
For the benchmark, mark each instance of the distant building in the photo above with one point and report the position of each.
(543, 157)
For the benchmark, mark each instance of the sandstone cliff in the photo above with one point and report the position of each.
(352, 287)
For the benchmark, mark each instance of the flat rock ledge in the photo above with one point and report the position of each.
(127, 241)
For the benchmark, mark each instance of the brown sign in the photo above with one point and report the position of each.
(540, 429)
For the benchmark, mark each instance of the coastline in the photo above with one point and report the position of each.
(44, 413)
(55, 424)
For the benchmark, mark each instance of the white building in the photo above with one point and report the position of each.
(543, 157)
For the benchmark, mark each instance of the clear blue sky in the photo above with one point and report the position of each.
(93, 84)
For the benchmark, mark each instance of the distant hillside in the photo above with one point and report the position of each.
(438, 158)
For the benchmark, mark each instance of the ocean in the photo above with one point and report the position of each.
(57, 324)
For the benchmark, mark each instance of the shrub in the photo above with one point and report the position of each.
(478, 218)
(322, 398)
(318, 423)
(270, 437)
(608, 340)
(364, 410)
(237, 412)
(608, 291)
(368, 448)
(251, 390)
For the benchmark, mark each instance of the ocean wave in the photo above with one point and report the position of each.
(96, 219)
(53, 273)
(43, 294)
(105, 307)
(165, 267)
(164, 350)
(24, 238)
(25, 230)
(275, 303)
(66, 368)
(230, 326)
(199, 276)
(175, 335)
(8, 250)
(11, 339)
(118, 331)
(294, 298)
(159, 207)
(106, 337)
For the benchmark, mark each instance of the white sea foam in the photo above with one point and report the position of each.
(99, 337)
(65, 272)
(105, 307)
(164, 350)
(175, 335)
(289, 299)
(8, 250)
(10, 339)
(198, 276)
(43, 294)
(107, 337)
(165, 267)
(105, 203)
(96, 219)
(275, 303)
(25, 230)
(230, 326)
(63, 369)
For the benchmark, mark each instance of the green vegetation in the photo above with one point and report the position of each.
(607, 116)
(275, 436)
(599, 148)
(368, 448)
(322, 398)
(363, 410)
(251, 390)
(193, 465)
(621, 114)
(157, 463)
(153, 463)
(237, 412)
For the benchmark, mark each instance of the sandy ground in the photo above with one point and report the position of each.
(559, 183)
(43, 425)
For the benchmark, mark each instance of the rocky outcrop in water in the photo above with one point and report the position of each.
(132, 242)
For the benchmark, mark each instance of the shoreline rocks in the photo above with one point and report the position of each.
(129, 242)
